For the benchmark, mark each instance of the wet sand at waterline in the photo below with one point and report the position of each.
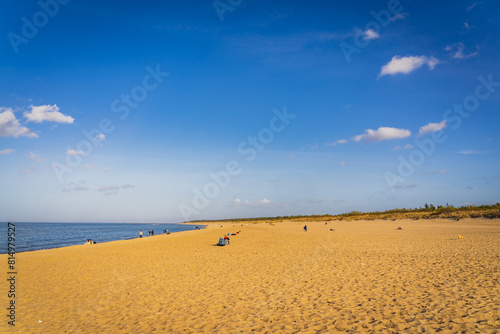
(363, 277)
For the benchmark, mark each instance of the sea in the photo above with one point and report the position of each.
(37, 236)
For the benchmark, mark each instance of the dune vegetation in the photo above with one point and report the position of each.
(428, 211)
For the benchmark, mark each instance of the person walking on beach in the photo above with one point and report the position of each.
(140, 234)
(305, 228)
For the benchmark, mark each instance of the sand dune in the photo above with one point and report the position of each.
(363, 277)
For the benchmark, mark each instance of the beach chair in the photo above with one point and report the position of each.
(221, 242)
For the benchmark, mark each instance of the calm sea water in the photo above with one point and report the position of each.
(36, 236)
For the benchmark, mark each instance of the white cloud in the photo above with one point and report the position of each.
(473, 5)
(370, 34)
(74, 152)
(264, 201)
(127, 186)
(466, 26)
(340, 141)
(457, 51)
(432, 127)
(405, 186)
(406, 65)
(469, 152)
(406, 147)
(36, 157)
(400, 16)
(107, 169)
(7, 151)
(100, 137)
(382, 133)
(47, 113)
(10, 126)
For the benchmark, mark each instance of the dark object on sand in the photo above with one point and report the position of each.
(399, 228)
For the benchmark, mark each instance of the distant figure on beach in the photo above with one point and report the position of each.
(226, 240)
(152, 232)
(168, 232)
(305, 228)
(140, 234)
(90, 242)
(399, 228)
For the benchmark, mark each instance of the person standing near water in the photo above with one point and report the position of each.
(140, 234)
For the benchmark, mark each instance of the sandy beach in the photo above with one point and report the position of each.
(359, 277)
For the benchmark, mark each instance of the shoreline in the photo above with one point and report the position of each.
(101, 242)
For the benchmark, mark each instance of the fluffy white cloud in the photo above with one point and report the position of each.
(432, 127)
(47, 113)
(457, 51)
(340, 141)
(370, 34)
(7, 151)
(382, 133)
(74, 152)
(406, 65)
(10, 126)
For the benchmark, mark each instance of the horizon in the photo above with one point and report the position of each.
(188, 111)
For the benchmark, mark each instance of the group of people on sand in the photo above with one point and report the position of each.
(152, 232)
(90, 242)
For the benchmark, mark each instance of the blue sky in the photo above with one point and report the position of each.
(181, 110)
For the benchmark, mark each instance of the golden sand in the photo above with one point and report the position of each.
(363, 277)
